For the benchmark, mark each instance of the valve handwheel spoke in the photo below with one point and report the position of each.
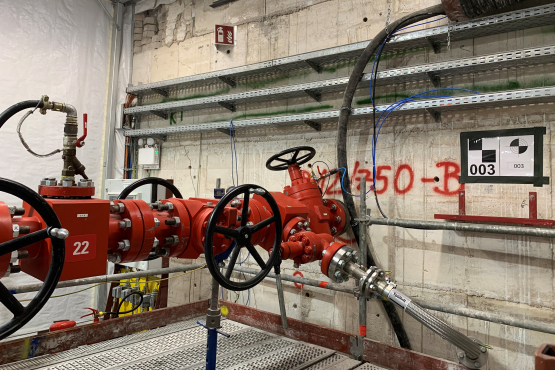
(22, 242)
(232, 261)
(245, 210)
(23, 314)
(242, 237)
(294, 159)
(262, 224)
(255, 255)
(230, 233)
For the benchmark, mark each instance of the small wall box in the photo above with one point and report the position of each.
(149, 158)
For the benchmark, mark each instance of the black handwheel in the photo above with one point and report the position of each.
(150, 180)
(242, 236)
(296, 158)
(22, 314)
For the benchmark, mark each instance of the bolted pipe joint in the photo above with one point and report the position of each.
(124, 245)
(125, 224)
(117, 208)
(374, 282)
(174, 221)
(171, 240)
(114, 257)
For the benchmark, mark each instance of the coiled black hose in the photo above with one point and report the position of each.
(16, 108)
(354, 80)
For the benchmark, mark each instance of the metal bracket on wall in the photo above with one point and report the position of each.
(314, 95)
(315, 66)
(434, 44)
(159, 114)
(434, 113)
(228, 106)
(164, 93)
(218, 3)
(315, 125)
(436, 80)
(225, 131)
(230, 81)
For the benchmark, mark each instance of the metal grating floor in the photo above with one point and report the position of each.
(183, 346)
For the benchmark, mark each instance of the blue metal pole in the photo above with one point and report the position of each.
(211, 349)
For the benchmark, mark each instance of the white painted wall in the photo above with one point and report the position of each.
(58, 48)
(506, 274)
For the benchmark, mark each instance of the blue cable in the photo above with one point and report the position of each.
(381, 47)
(232, 134)
(231, 142)
(396, 105)
(248, 290)
(388, 110)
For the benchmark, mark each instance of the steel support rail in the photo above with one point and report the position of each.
(455, 310)
(433, 71)
(506, 22)
(434, 306)
(504, 98)
(105, 278)
(465, 227)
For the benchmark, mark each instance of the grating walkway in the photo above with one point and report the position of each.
(183, 346)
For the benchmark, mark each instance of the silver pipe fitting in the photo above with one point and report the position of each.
(374, 282)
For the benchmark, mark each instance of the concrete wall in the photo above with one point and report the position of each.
(506, 274)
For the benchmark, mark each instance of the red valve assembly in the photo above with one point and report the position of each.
(129, 230)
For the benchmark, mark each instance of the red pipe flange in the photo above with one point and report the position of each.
(330, 252)
(134, 234)
(149, 230)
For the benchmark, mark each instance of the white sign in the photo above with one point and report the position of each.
(501, 156)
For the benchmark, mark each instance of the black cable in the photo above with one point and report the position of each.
(117, 313)
(329, 177)
(354, 80)
(16, 108)
(373, 92)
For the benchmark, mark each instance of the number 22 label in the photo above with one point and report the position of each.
(80, 248)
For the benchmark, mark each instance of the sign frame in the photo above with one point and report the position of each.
(225, 29)
(537, 180)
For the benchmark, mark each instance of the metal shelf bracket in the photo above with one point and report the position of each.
(315, 125)
(434, 78)
(436, 46)
(315, 66)
(225, 131)
(228, 106)
(159, 114)
(230, 81)
(162, 92)
(314, 95)
(434, 113)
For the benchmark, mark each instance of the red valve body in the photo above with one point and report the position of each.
(130, 232)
